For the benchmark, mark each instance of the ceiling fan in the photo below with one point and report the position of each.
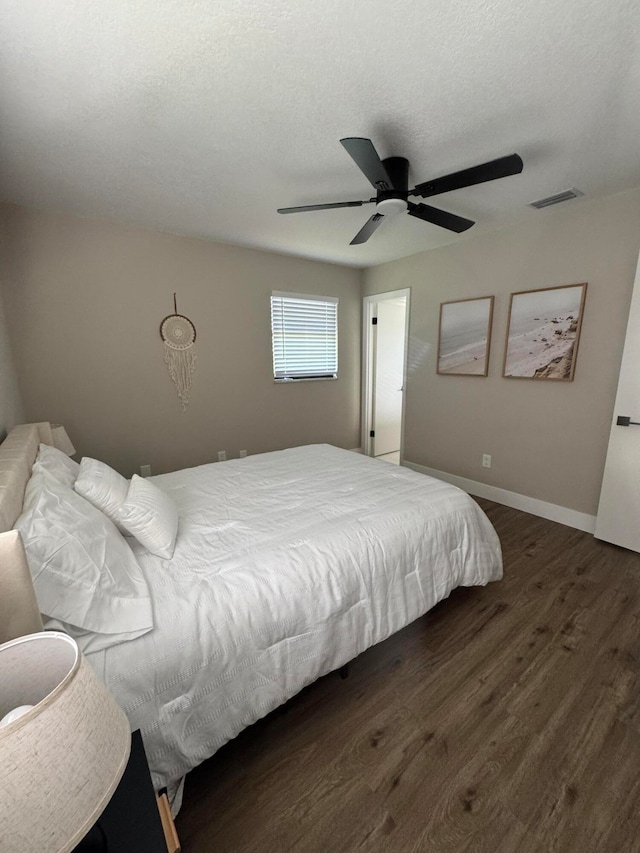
(390, 179)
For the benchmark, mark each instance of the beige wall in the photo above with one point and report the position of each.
(11, 411)
(548, 440)
(85, 299)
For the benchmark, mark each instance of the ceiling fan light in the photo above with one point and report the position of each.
(391, 206)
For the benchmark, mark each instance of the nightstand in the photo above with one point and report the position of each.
(135, 821)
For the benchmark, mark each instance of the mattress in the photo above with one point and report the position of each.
(287, 565)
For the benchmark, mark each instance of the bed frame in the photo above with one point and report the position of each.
(19, 611)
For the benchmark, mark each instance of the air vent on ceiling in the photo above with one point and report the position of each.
(556, 199)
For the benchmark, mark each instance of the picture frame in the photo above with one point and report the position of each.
(543, 333)
(464, 336)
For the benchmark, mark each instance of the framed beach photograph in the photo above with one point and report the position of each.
(543, 333)
(464, 337)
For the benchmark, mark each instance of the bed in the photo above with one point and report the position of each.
(287, 565)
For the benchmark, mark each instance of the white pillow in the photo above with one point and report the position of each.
(83, 571)
(103, 487)
(151, 516)
(56, 463)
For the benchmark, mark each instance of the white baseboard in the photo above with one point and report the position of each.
(355, 449)
(553, 512)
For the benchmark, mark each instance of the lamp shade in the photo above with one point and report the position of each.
(61, 761)
(61, 440)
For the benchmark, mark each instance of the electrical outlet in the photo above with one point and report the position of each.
(222, 455)
(145, 470)
(242, 454)
(486, 460)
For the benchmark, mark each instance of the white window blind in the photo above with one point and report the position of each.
(304, 332)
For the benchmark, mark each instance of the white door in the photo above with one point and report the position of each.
(618, 518)
(388, 375)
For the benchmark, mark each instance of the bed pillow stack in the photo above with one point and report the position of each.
(139, 508)
(84, 573)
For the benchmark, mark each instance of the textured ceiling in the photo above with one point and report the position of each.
(201, 117)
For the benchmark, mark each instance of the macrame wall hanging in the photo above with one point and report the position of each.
(179, 335)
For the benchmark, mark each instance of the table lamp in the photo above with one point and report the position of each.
(61, 439)
(64, 744)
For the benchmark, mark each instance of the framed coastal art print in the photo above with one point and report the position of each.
(543, 333)
(464, 337)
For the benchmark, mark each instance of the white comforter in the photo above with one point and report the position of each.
(287, 565)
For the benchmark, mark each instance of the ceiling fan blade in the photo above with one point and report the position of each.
(367, 229)
(500, 168)
(440, 217)
(367, 160)
(324, 206)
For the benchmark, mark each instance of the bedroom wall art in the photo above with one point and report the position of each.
(464, 336)
(543, 333)
(179, 336)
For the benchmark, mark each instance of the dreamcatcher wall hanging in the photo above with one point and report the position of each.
(179, 335)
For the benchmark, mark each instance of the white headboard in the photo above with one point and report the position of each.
(19, 612)
(17, 454)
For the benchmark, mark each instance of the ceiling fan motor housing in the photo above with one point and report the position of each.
(398, 171)
(392, 200)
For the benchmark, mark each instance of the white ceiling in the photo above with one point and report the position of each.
(201, 117)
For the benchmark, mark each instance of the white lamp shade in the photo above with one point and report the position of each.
(61, 440)
(62, 760)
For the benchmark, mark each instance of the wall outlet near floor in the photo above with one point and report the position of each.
(242, 454)
(222, 456)
(145, 470)
(486, 460)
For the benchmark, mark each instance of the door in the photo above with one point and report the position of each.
(385, 332)
(618, 519)
(388, 375)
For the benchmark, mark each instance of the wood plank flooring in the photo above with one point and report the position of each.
(506, 719)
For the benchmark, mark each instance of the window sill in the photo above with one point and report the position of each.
(305, 379)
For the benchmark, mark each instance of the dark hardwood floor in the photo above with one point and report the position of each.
(506, 719)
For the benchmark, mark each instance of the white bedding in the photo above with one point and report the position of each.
(287, 565)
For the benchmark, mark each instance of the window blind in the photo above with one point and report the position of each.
(304, 332)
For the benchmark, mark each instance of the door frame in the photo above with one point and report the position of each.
(368, 356)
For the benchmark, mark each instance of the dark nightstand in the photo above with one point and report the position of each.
(131, 823)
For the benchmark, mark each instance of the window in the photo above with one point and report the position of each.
(304, 332)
